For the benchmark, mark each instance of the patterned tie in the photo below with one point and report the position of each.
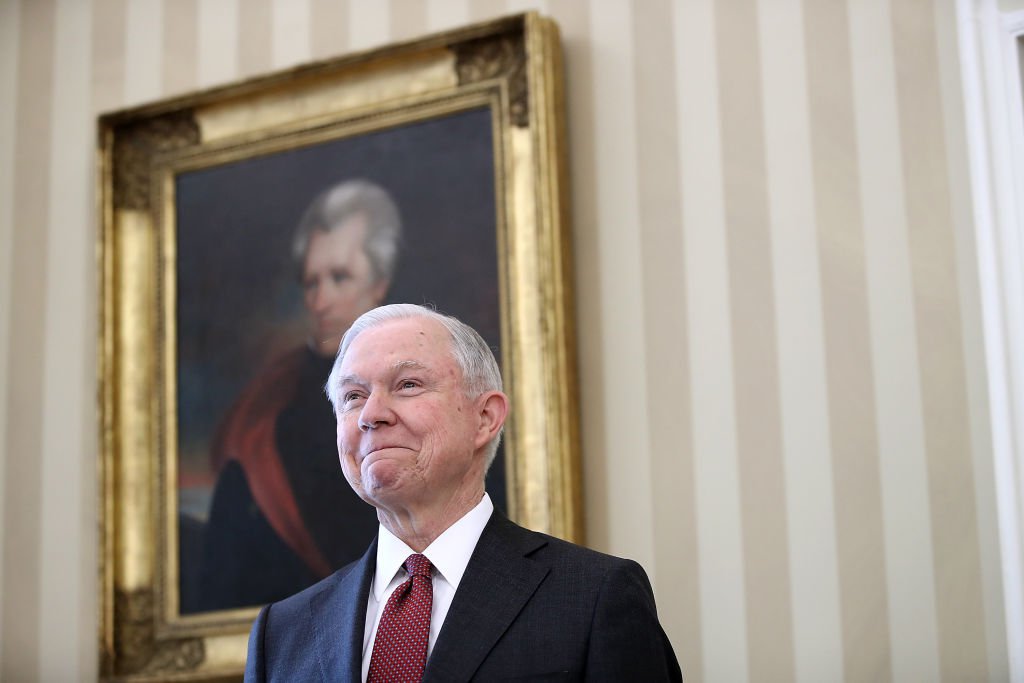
(400, 647)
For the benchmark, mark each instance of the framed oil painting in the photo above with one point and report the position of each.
(244, 229)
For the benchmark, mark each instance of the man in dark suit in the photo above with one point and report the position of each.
(450, 590)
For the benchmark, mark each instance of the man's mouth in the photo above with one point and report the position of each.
(375, 450)
(327, 326)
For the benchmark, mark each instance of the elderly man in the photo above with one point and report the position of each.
(451, 590)
(282, 517)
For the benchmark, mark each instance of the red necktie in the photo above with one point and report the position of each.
(400, 647)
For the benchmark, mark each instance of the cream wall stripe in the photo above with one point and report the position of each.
(408, 18)
(369, 24)
(664, 308)
(181, 46)
(486, 9)
(143, 51)
(620, 268)
(255, 37)
(22, 590)
(755, 354)
(720, 548)
(849, 367)
(218, 41)
(443, 14)
(1004, 602)
(67, 500)
(517, 6)
(574, 20)
(107, 42)
(962, 646)
(329, 26)
(810, 504)
(908, 547)
(108, 50)
(9, 45)
(291, 39)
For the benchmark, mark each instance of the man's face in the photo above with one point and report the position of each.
(338, 282)
(407, 433)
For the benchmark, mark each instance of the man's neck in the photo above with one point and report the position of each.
(418, 528)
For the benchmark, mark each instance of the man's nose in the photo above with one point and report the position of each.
(376, 411)
(321, 299)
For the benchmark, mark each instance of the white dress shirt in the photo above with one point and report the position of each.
(449, 553)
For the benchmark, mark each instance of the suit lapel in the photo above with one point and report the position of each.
(498, 582)
(339, 616)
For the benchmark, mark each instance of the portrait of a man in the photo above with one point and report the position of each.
(278, 254)
(277, 504)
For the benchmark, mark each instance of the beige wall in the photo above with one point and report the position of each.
(784, 409)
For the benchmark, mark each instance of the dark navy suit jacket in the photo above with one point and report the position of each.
(530, 607)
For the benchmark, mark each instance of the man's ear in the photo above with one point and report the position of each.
(492, 408)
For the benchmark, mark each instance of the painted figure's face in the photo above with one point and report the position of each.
(338, 282)
(407, 433)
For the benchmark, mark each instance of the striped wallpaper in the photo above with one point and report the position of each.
(783, 396)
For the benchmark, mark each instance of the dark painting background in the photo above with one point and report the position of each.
(239, 303)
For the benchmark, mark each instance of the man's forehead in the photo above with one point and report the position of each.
(359, 376)
(345, 240)
(405, 343)
(414, 333)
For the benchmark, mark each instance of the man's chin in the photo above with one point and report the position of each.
(381, 478)
(327, 347)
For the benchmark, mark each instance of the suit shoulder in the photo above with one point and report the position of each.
(562, 554)
(590, 561)
(298, 604)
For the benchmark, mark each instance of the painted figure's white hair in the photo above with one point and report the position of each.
(347, 199)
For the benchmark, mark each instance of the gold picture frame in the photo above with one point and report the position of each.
(497, 83)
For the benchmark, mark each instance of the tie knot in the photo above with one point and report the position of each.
(418, 565)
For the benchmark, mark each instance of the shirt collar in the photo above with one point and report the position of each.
(449, 553)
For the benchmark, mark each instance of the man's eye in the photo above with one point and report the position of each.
(350, 396)
(339, 276)
(408, 384)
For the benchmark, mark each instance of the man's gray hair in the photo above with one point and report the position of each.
(474, 357)
(347, 199)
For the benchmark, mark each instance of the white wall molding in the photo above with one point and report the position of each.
(995, 136)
